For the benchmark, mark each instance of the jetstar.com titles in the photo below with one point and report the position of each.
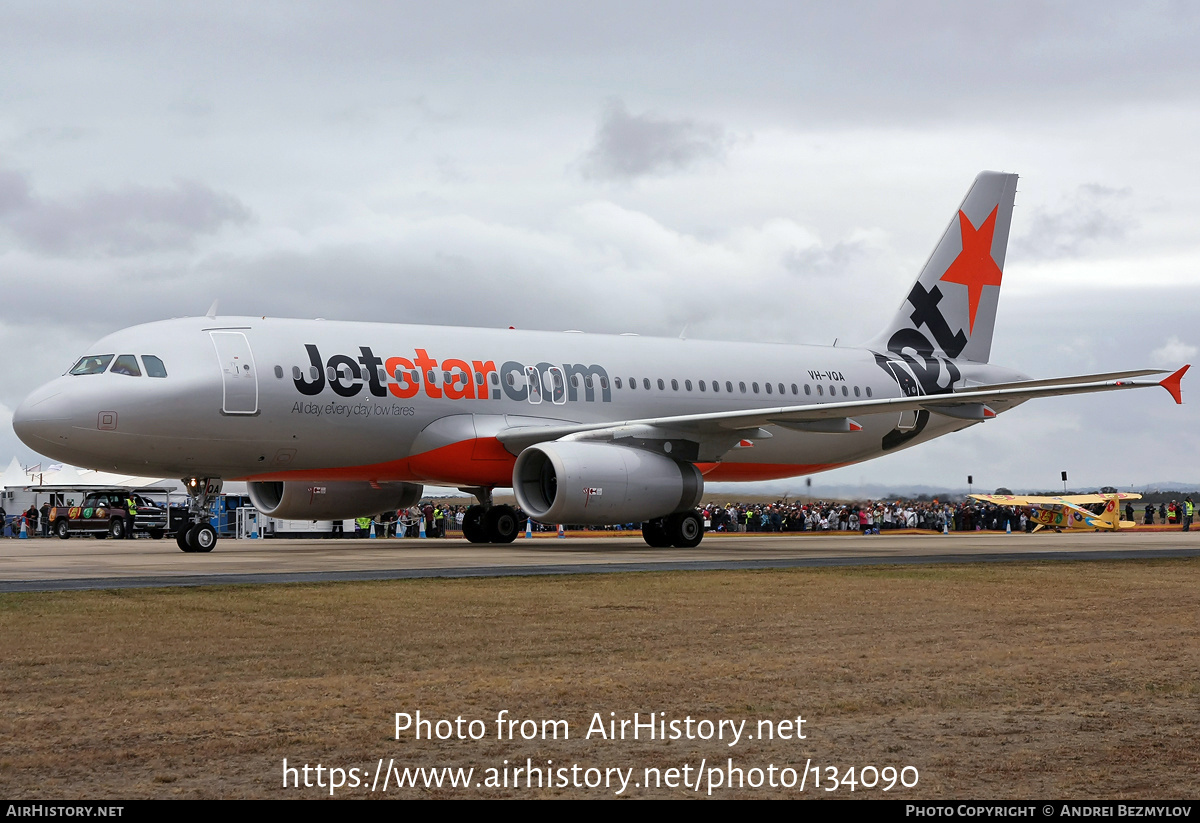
(451, 379)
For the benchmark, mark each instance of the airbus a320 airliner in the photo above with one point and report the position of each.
(330, 420)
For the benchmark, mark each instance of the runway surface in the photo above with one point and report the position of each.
(47, 564)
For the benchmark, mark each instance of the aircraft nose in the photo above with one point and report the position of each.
(42, 418)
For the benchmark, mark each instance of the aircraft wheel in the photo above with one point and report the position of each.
(474, 526)
(654, 532)
(157, 534)
(685, 530)
(203, 537)
(501, 524)
(181, 537)
(116, 530)
(62, 529)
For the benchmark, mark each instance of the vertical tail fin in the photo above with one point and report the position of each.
(1112, 512)
(951, 309)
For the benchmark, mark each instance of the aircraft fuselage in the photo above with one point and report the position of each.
(281, 399)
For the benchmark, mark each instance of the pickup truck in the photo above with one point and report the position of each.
(103, 515)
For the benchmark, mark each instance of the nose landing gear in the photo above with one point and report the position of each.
(198, 535)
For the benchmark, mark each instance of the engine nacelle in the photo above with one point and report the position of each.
(602, 484)
(305, 500)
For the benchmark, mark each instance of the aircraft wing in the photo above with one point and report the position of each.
(731, 426)
(1054, 500)
(1063, 381)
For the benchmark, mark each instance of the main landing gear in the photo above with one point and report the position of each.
(198, 535)
(486, 523)
(683, 530)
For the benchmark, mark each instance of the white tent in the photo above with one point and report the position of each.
(14, 477)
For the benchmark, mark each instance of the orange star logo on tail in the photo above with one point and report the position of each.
(974, 266)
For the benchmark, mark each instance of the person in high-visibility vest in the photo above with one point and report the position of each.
(130, 516)
(1188, 511)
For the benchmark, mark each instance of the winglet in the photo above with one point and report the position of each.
(1171, 384)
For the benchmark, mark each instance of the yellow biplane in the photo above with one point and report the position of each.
(1070, 511)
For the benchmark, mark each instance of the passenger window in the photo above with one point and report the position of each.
(674, 384)
(279, 372)
(478, 378)
(126, 364)
(92, 364)
(729, 386)
(794, 389)
(781, 388)
(845, 391)
(868, 391)
(742, 386)
(687, 384)
(154, 366)
(646, 383)
(702, 388)
(314, 373)
(856, 392)
(617, 382)
(661, 384)
(820, 391)
(295, 372)
(768, 388)
(755, 387)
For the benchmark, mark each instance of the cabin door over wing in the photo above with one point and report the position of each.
(238, 375)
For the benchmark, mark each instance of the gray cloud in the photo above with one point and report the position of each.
(629, 146)
(120, 222)
(14, 191)
(834, 261)
(1090, 214)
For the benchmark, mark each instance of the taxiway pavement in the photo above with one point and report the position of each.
(45, 564)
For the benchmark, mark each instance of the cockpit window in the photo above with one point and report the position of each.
(127, 364)
(92, 364)
(154, 366)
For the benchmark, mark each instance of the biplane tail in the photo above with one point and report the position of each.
(1112, 514)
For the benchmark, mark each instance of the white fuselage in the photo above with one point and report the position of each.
(281, 399)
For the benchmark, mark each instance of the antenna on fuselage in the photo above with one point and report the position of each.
(212, 311)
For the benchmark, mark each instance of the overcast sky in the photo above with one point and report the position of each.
(752, 171)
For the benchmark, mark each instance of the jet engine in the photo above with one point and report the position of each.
(602, 483)
(305, 500)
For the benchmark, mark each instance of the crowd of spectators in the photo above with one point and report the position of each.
(867, 517)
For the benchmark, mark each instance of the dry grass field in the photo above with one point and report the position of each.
(1014, 680)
